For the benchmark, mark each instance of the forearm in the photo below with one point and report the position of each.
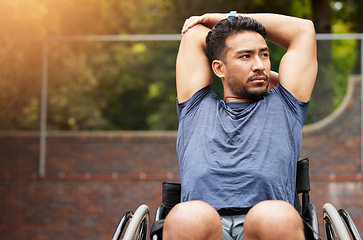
(211, 19)
(280, 29)
(208, 20)
(274, 80)
(284, 30)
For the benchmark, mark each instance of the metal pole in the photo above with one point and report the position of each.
(361, 82)
(43, 110)
(118, 38)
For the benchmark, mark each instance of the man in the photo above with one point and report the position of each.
(238, 156)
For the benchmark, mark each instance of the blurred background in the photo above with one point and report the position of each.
(87, 108)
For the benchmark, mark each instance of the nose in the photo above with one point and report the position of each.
(258, 65)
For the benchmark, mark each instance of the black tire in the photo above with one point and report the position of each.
(139, 226)
(334, 226)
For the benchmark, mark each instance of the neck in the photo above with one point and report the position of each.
(238, 99)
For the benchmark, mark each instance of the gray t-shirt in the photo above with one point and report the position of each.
(238, 154)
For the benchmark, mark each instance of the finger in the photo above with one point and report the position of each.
(185, 26)
(191, 22)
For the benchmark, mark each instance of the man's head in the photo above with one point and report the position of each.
(216, 39)
(239, 55)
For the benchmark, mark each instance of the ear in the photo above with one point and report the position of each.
(218, 67)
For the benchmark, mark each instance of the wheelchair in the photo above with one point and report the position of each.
(338, 224)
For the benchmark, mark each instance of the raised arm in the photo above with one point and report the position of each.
(298, 67)
(193, 70)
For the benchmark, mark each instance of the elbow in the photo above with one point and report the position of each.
(308, 28)
(196, 32)
(306, 35)
(195, 36)
(310, 34)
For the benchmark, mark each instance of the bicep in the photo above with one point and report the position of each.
(298, 67)
(193, 71)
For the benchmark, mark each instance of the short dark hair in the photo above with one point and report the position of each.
(216, 38)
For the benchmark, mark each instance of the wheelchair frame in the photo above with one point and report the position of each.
(335, 222)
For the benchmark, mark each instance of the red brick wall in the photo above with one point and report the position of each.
(335, 159)
(91, 180)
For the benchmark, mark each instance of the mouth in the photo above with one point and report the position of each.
(258, 78)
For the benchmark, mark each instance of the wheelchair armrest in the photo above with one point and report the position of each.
(302, 176)
(170, 197)
(171, 194)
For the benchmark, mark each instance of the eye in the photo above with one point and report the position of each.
(246, 56)
(266, 55)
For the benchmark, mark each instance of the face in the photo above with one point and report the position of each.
(246, 67)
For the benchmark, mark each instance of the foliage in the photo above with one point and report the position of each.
(113, 85)
(19, 85)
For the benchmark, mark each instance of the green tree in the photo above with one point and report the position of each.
(128, 85)
(82, 93)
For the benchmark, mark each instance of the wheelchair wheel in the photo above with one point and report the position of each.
(138, 228)
(334, 226)
(121, 226)
(350, 224)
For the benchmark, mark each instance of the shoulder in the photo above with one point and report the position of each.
(283, 97)
(204, 96)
